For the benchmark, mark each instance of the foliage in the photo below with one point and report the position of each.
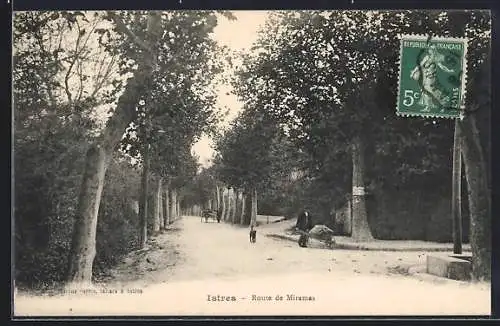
(118, 222)
(181, 103)
(244, 159)
(199, 190)
(325, 77)
(69, 68)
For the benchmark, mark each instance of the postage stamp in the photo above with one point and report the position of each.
(432, 76)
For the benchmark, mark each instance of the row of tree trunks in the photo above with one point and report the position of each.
(83, 246)
(237, 207)
(233, 206)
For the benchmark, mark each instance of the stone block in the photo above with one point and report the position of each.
(454, 267)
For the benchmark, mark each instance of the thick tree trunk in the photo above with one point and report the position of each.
(179, 212)
(143, 202)
(253, 217)
(157, 206)
(243, 208)
(479, 198)
(83, 249)
(166, 215)
(360, 228)
(475, 165)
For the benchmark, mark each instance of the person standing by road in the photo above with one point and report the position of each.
(304, 224)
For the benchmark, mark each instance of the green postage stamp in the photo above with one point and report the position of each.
(432, 76)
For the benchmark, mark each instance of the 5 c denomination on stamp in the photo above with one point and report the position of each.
(432, 76)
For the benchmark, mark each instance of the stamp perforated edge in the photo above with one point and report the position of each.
(425, 37)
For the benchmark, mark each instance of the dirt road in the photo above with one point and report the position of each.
(212, 269)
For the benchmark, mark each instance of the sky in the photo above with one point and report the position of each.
(237, 35)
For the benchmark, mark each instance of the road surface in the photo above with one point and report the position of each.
(212, 269)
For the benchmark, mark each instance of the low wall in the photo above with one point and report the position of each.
(266, 219)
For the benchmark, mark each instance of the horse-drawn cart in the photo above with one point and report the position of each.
(208, 214)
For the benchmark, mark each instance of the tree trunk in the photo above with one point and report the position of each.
(157, 206)
(253, 216)
(217, 198)
(178, 209)
(243, 208)
(82, 253)
(456, 201)
(237, 205)
(83, 244)
(479, 198)
(173, 205)
(360, 228)
(166, 215)
(475, 166)
(162, 211)
(229, 205)
(143, 203)
(223, 204)
(248, 209)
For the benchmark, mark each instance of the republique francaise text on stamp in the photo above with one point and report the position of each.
(432, 76)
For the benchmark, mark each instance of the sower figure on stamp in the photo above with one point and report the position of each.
(304, 224)
(426, 74)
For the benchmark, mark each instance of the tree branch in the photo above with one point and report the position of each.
(122, 28)
(68, 73)
(105, 76)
